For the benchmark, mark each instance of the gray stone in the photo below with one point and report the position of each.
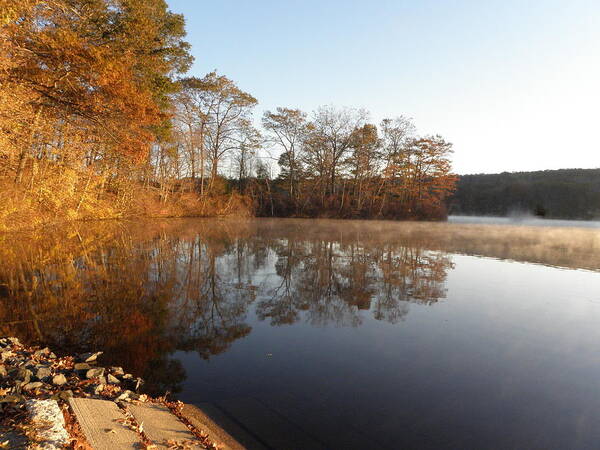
(48, 424)
(89, 357)
(113, 380)
(65, 395)
(42, 373)
(124, 396)
(82, 367)
(59, 380)
(6, 355)
(117, 371)
(95, 373)
(42, 352)
(95, 388)
(24, 375)
(33, 385)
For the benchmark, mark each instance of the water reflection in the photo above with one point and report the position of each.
(141, 291)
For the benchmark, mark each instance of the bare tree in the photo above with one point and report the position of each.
(286, 130)
(329, 141)
(229, 110)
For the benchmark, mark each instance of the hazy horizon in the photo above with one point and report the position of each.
(512, 86)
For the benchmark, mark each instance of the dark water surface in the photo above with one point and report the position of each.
(332, 334)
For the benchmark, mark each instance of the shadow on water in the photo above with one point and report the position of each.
(141, 291)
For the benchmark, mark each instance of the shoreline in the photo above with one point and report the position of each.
(44, 399)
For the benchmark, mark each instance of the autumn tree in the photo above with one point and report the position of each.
(286, 130)
(244, 156)
(83, 91)
(97, 121)
(329, 141)
(353, 169)
(228, 109)
(191, 107)
(395, 135)
(429, 179)
(363, 162)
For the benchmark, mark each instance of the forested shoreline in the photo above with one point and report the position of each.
(558, 194)
(98, 119)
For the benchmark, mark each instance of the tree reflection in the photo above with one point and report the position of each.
(141, 292)
(333, 282)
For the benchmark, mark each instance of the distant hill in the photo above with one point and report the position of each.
(564, 194)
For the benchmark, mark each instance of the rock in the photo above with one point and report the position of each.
(82, 367)
(48, 428)
(65, 395)
(42, 352)
(52, 355)
(11, 341)
(113, 380)
(6, 354)
(89, 357)
(117, 371)
(59, 380)
(94, 373)
(33, 385)
(124, 396)
(127, 376)
(24, 375)
(3, 372)
(42, 373)
(95, 388)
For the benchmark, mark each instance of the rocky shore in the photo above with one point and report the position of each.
(37, 389)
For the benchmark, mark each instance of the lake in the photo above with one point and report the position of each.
(332, 334)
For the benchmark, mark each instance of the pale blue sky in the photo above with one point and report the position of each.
(515, 85)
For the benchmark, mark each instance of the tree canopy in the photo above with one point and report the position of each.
(99, 118)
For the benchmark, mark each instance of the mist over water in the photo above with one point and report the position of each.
(522, 219)
(352, 333)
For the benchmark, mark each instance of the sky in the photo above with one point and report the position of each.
(513, 84)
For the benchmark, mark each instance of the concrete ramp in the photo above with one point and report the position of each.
(227, 433)
(162, 426)
(99, 422)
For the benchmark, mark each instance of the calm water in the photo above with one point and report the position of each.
(333, 334)
(524, 220)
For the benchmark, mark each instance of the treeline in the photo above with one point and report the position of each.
(561, 194)
(97, 119)
(333, 163)
(338, 164)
